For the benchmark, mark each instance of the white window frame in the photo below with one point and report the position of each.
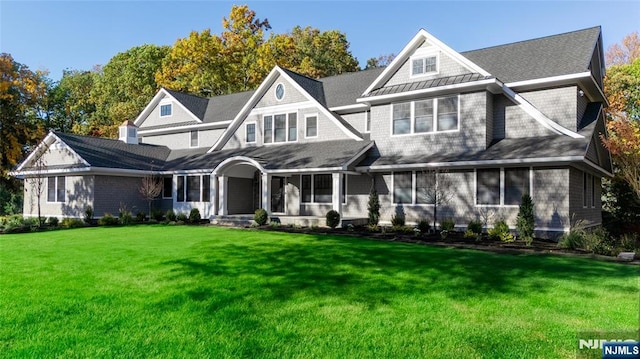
(414, 190)
(57, 200)
(255, 132)
(423, 54)
(197, 132)
(367, 121)
(275, 91)
(502, 187)
(313, 182)
(273, 128)
(306, 118)
(412, 118)
(167, 103)
(185, 190)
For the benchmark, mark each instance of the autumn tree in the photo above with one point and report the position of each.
(124, 87)
(625, 52)
(380, 61)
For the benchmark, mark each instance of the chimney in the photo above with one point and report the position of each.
(128, 133)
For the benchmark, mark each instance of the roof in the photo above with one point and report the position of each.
(505, 149)
(314, 155)
(421, 85)
(226, 107)
(344, 89)
(311, 86)
(110, 153)
(555, 55)
(196, 104)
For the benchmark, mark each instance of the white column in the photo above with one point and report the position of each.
(222, 195)
(266, 192)
(215, 194)
(337, 193)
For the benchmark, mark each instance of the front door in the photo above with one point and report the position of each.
(277, 194)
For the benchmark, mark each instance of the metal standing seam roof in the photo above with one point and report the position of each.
(432, 83)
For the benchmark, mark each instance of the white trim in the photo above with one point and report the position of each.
(55, 189)
(537, 115)
(367, 121)
(434, 119)
(45, 142)
(357, 155)
(358, 106)
(313, 194)
(288, 107)
(550, 80)
(474, 163)
(306, 116)
(240, 160)
(255, 132)
(178, 129)
(409, 94)
(424, 54)
(287, 125)
(305, 170)
(167, 103)
(191, 138)
(421, 36)
(186, 191)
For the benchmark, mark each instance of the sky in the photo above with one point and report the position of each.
(58, 35)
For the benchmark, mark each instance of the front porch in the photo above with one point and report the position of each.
(242, 220)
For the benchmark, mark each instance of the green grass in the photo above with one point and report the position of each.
(195, 292)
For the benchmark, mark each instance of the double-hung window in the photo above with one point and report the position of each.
(56, 189)
(311, 126)
(402, 187)
(251, 133)
(165, 110)
(318, 188)
(280, 128)
(426, 187)
(426, 65)
(502, 186)
(425, 116)
(193, 139)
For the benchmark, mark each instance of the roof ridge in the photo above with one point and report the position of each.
(534, 39)
(301, 75)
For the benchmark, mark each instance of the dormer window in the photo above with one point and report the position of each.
(424, 62)
(165, 110)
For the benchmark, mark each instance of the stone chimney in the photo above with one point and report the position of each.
(128, 133)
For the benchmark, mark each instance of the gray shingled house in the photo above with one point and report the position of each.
(486, 125)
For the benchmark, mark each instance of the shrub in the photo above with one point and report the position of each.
(469, 234)
(88, 215)
(182, 217)
(572, 240)
(373, 228)
(53, 221)
(628, 242)
(71, 223)
(125, 218)
(373, 207)
(261, 216)
(156, 215)
(599, 241)
(403, 229)
(499, 230)
(274, 225)
(423, 226)
(397, 220)
(108, 220)
(333, 218)
(170, 215)
(525, 222)
(475, 227)
(140, 216)
(194, 216)
(447, 224)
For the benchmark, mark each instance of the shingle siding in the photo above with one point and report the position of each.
(558, 104)
(182, 140)
(78, 195)
(591, 215)
(291, 95)
(582, 102)
(60, 155)
(115, 192)
(178, 116)
(447, 67)
(513, 122)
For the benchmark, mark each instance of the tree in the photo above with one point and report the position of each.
(624, 144)
(36, 183)
(622, 86)
(373, 206)
(123, 88)
(437, 190)
(22, 92)
(150, 189)
(525, 222)
(624, 53)
(70, 105)
(380, 61)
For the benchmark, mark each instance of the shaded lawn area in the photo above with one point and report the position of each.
(176, 291)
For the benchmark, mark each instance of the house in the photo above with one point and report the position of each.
(483, 127)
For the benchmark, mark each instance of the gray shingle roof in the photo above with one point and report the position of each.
(421, 85)
(287, 156)
(226, 107)
(555, 55)
(313, 87)
(197, 105)
(344, 89)
(506, 149)
(109, 153)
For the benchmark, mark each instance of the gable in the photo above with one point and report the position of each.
(179, 116)
(597, 152)
(52, 153)
(290, 95)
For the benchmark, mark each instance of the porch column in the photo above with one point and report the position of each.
(337, 193)
(214, 191)
(266, 192)
(223, 182)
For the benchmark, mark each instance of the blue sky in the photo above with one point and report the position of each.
(57, 35)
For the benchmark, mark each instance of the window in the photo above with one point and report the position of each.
(584, 189)
(267, 129)
(197, 189)
(516, 184)
(306, 188)
(167, 186)
(402, 118)
(402, 186)
(312, 126)
(593, 191)
(367, 123)
(418, 116)
(293, 127)
(424, 65)
(448, 113)
(56, 189)
(279, 92)
(425, 187)
(344, 188)
(165, 110)
(194, 139)
(322, 188)
(251, 133)
(488, 186)
(280, 128)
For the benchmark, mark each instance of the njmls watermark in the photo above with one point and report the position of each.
(608, 344)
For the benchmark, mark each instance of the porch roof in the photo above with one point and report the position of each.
(290, 156)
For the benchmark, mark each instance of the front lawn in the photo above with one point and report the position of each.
(196, 292)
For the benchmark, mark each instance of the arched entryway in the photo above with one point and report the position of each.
(243, 186)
